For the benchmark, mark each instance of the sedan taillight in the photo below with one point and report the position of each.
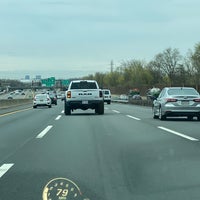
(171, 100)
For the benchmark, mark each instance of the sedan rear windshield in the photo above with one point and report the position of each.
(41, 96)
(84, 85)
(182, 91)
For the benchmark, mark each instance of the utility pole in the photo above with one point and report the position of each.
(111, 66)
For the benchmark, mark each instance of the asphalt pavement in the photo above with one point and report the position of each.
(123, 154)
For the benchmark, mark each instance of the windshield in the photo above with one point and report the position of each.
(182, 91)
(106, 124)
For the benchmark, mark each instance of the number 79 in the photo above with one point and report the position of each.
(62, 192)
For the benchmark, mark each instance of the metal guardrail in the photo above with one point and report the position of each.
(120, 101)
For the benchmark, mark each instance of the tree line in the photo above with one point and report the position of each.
(168, 68)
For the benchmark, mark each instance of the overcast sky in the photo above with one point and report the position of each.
(85, 35)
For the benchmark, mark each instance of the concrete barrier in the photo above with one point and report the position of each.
(142, 102)
(6, 103)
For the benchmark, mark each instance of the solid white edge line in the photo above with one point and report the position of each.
(4, 168)
(44, 132)
(116, 111)
(57, 118)
(133, 117)
(178, 134)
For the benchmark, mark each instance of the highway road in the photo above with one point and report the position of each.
(123, 154)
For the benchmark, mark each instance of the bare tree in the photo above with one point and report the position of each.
(155, 70)
(195, 58)
(189, 68)
(168, 62)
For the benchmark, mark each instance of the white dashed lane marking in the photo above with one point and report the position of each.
(116, 111)
(133, 117)
(57, 118)
(178, 134)
(44, 132)
(4, 168)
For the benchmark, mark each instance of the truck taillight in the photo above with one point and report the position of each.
(69, 94)
(196, 100)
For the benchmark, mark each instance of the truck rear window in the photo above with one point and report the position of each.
(84, 85)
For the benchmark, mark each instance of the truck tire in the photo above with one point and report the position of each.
(100, 108)
(96, 110)
(67, 110)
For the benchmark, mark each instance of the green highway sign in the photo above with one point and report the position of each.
(65, 82)
(49, 82)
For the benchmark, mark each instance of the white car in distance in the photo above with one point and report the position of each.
(41, 100)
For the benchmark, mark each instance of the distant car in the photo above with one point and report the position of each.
(177, 101)
(41, 100)
(59, 96)
(63, 96)
(10, 97)
(53, 97)
(123, 97)
(17, 92)
(107, 96)
(153, 93)
(136, 97)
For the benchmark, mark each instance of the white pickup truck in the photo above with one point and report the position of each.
(84, 94)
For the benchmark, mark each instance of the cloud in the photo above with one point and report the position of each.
(79, 32)
(59, 3)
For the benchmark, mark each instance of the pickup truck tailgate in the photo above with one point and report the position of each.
(88, 94)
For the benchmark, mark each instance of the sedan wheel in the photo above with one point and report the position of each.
(161, 116)
(153, 112)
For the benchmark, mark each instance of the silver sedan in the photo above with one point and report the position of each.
(177, 101)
